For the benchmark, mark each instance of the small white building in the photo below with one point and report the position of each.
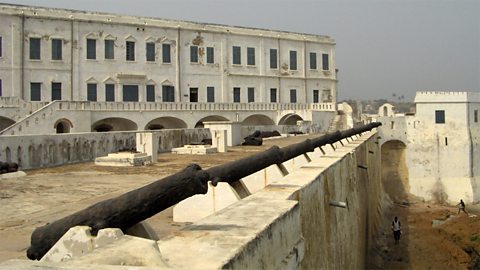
(441, 145)
(386, 109)
(51, 54)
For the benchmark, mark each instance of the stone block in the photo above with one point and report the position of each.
(147, 143)
(109, 247)
(124, 159)
(199, 206)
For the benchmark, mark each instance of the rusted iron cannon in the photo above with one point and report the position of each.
(125, 210)
(8, 167)
(135, 206)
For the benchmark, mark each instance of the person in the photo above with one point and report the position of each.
(461, 207)
(396, 230)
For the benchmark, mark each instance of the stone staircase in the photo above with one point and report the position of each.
(336, 124)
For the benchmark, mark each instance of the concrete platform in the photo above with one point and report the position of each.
(195, 150)
(12, 175)
(124, 159)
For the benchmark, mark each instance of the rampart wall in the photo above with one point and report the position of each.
(36, 151)
(290, 224)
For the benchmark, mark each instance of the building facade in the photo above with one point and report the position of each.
(52, 54)
(440, 144)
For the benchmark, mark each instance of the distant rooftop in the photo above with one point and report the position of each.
(446, 97)
(110, 18)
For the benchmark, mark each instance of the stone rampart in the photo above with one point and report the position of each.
(36, 151)
(290, 224)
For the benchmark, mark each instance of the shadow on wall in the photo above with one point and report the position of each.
(395, 171)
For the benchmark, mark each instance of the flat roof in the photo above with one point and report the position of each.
(110, 18)
(446, 97)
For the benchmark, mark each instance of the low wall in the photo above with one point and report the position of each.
(36, 151)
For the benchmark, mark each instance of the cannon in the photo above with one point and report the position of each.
(137, 205)
(125, 210)
(8, 167)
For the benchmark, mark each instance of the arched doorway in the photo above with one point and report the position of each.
(211, 118)
(394, 170)
(113, 124)
(167, 122)
(290, 119)
(258, 120)
(63, 126)
(5, 122)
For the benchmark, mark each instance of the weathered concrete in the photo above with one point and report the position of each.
(124, 159)
(289, 224)
(442, 158)
(147, 142)
(35, 151)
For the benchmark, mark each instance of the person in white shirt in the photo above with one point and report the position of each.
(396, 230)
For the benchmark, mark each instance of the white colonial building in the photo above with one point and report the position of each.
(115, 72)
(438, 148)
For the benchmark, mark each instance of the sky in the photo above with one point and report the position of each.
(384, 48)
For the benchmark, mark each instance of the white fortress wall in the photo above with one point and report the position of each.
(36, 151)
(442, 158)
(309, 234)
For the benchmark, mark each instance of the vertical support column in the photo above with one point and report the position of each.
(147, 142)
(219, 140)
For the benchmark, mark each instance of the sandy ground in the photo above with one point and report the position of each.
(51, 193)
(48, 194)
(433, 237)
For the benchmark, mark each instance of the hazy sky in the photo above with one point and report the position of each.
(383, 47)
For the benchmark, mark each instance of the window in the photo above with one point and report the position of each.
(293, 60)
(273, 95)
(313, 60)
(440, 117)
(168, 93)
(251, 94)
(91, 49)
(1, 48)
(251, 56)
(293, 95)
(150, 49)
(193, 94)
(193, 54)
(166, 53)
(130, 92)
(326, 95)
(130, 51)
(109, 49)
(56, 91)
(316, 94)
(109, 92)
(475, 112)
(236, 94)
(236, 56)
(210, 94)
(325, 64)
(210, 55)
(57, 49)
(273, 59)
(92, 92)
(151, 93)
(35, 91)
(35, 48)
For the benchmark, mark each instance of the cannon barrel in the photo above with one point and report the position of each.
(125, 210)
(235, 170)
(137, 205)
